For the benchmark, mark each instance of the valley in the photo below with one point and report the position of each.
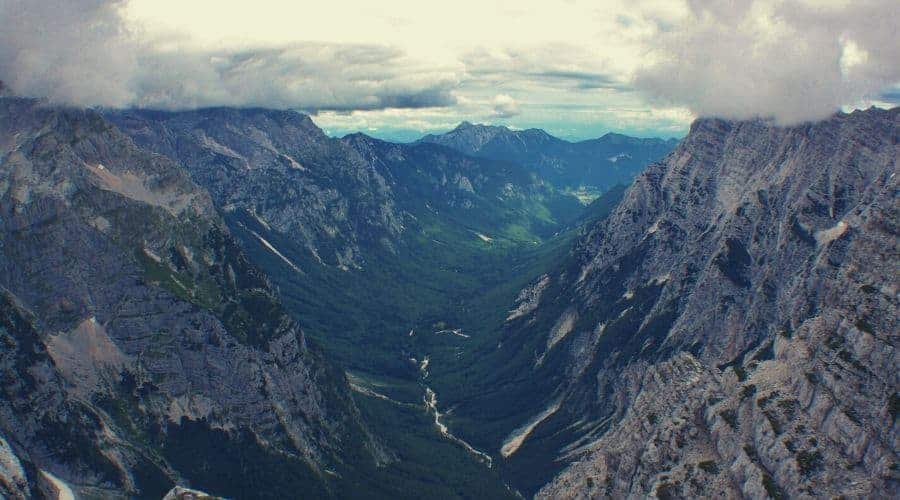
(355, 318)
(411, 250)
(417, 309)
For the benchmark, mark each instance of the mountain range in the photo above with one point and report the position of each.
(230, 300)
(588, 167)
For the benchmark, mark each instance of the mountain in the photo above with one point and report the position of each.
(142, 349)
(426, 230)
(343, 198)
(280, 167)
(724, 326)
(590, 166)
(496, 197)
(728, 330)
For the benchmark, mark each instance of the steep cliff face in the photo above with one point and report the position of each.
(279, 166)
(731, 327)
(142, 349)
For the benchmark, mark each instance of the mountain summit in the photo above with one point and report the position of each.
(595, 165)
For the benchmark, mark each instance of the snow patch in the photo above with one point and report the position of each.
(63, 492)
(293, 163)
(517, 437)
(262, 222)
(456, 331)
(485, 238)
(276, 252)
(826, 236)
(375, 394)
(152, 255)
(529, 298)
(563, 326)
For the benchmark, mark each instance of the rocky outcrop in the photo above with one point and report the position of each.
(737, 317)
(280, 167)
(141, 346)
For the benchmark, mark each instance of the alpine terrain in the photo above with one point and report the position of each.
(724, 326)
(729, 330)
(586, 168)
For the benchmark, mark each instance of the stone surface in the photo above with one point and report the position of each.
(128, 312)
(738, 317)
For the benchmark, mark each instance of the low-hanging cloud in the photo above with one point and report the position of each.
(790, 60)
(82, 52)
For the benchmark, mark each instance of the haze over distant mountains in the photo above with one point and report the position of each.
(595, 164)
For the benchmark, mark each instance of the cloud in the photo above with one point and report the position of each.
(790, 60)
(82, 52)
(556, 66)
(75, 51)
(310, 76)
(505, 106)
(576, 65)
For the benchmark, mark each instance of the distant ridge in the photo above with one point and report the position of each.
(595, 164)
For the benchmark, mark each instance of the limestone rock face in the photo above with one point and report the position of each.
(139, 342)
(279, 166)
(737, 320)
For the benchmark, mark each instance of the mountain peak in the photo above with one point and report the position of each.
(467, 126)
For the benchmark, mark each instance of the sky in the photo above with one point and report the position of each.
(397, 69)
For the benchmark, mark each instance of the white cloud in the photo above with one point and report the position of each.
(83, 52)
(789, 60)
(581, 67)
(505, 106)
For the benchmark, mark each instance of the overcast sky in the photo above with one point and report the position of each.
(400, 68)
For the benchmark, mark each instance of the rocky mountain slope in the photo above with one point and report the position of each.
(496, 197)
(341, 198)
(142, 349)
(729, 330)
(280, 167)
(593, 165)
